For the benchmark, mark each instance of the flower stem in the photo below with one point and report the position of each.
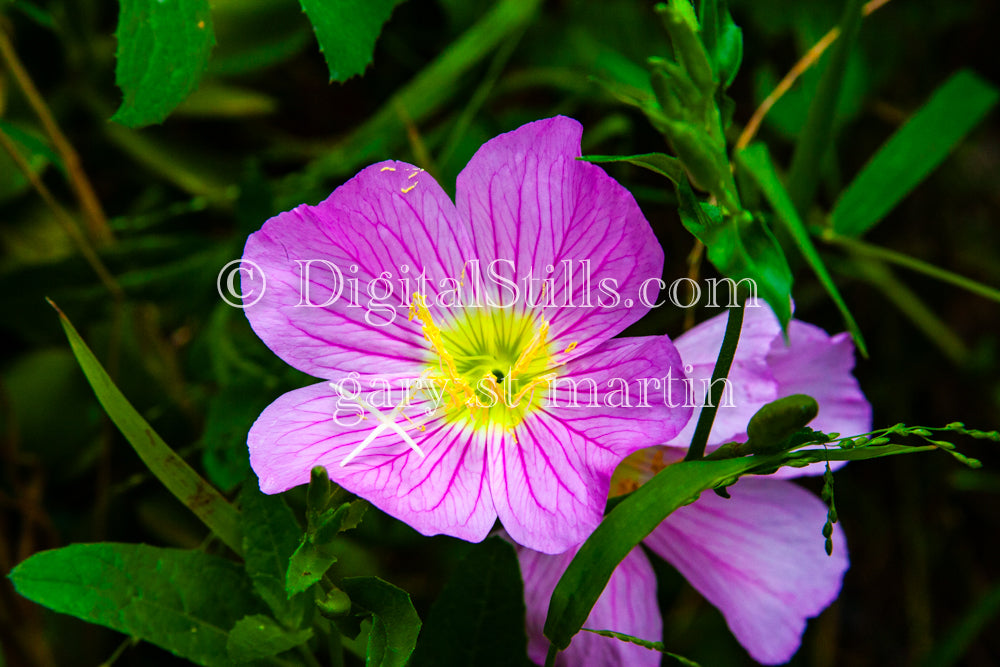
(550, 657)
(707, 416)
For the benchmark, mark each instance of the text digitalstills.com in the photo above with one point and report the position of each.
(496, 284)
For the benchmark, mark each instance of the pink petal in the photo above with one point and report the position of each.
(390, 216)
(534, 208)
(758, 557)
(445, 491)
(820, 365)
(765, 369)
(751, 381)
(627, 605)
(551, 484)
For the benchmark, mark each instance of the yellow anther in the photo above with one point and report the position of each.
(548, 377)
(405, 190)
(457, 387)
(535, 345)
(570, 348)
(415, 173)
(387, 169)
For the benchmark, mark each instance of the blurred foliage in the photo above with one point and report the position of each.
(127, 229)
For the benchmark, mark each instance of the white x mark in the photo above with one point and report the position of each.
(385, 422)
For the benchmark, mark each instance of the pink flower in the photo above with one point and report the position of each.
(419, 314)
(759, 556)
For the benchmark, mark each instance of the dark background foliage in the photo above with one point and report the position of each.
(266, 131)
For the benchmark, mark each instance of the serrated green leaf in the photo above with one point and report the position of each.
(758, 163)
(270, 537)
(258, 637)
(163, 49)
(334, 521)
(182, 601)
(395, 624)
(180, 479)
(913, 152)
(307, 566)
(479, 617)
(347, 31)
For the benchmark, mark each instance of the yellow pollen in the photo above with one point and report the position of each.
(387, 169)
(405, 190)
(535, 345)
(458, 389)
(415, 173)
(570, 348)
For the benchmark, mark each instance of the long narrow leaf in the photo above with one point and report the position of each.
(179, 478)
(622, 529)
(913, 152)
(758, 163)
(814, 142)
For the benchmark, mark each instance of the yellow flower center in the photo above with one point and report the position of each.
(489, 367)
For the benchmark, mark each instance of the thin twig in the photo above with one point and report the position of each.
(810, 58)
(63, 218)
(97, 222)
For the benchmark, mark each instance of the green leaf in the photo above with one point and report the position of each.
(307, 566)
(814, 141)
(913, 152)
(741, 248)
(622, 530)
(479, 617)
(173, 471)
(270, 537)
(163, 49)
(722, 38)
(313, 557)
(758, 163)
(347, 32)
(258, 637)
(428, 92)
(395, 624)
(182, 601)
(635, 517)
(654, 646)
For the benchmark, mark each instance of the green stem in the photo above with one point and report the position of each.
(901, 259)
(722, 365)
(550, 657)
(881, 277)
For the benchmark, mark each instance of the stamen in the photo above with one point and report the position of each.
(531, 351)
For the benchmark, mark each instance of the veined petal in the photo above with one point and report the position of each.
(369, 242)
(627, 605)
(759, 558)
(765, 369)
(550, 483)
(443, 491)
(820, 365)
(539, 213)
